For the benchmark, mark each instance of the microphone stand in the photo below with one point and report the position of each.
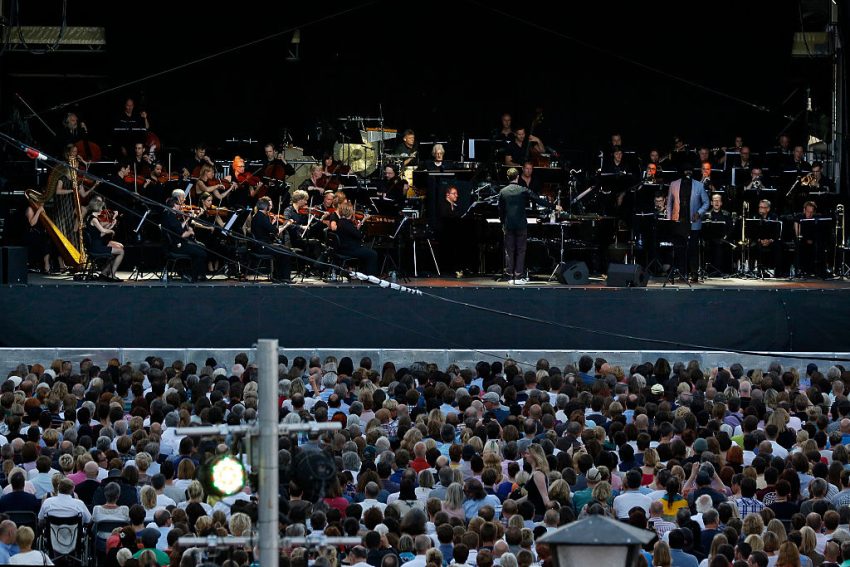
(34, 113)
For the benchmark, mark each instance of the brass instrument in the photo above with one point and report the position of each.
(808, 180)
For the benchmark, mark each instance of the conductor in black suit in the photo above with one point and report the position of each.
(513, 200)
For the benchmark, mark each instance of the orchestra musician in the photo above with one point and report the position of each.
(73, 130)
(65, 186)
(505, 133)
(513, 200)
(247, 187)
(743, 160)
(810, 252)
(101, 234)
(687, 201)
(351, 240)
(408, 148)
(654, 158)
(449, 232)
(705, 177)
(437, 163)
(274, 173)
(818, 182)
(178, 231)
(141, 162)
(660, 206)
(765, 248)
(720, 249)
(192, 166)
(518, 149)
(208, 232)
(130, 127)
(295, 220)
(651, 174)
(314, 184)
(36, 240)
(798, 160)
(756, 180)
(393, 186)
(207, 184)
(528, 179)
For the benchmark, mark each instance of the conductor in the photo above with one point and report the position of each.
(513, 200)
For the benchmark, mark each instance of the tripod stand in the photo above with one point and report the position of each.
(668, 237)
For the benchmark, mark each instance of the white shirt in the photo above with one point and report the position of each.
(418, 561)
(628, 500)
(778, 450)
(164, 501)
(64, 506)
(33, 557)
(372, 503)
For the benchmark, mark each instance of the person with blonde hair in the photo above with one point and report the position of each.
(350, 240)
(27, 555)
(661, 555)
(788, 555)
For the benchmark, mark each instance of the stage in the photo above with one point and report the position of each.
(470, 313)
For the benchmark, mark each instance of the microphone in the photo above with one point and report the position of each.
(33, 153)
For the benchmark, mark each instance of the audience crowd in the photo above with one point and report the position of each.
(435, 467)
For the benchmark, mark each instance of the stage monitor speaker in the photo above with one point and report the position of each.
(573, 273)
(14, 265)
(626, 275)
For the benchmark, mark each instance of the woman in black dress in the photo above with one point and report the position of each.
(99, 232)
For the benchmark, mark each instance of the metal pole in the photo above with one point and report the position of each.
(837, 94)
(268, 466)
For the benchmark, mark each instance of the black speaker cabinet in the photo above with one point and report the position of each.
(626, 275)
(13, 268)
(573, 273)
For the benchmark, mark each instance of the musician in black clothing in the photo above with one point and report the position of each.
(180, 236)
(719, 251)
(449, 232)
(141, 163)
(393, 186)
(528, 179)
(408, 148)
(192, 166)
(505, 133)
(798, 160)
(518, 150)
(351, 241)
(766, 248)
(265, 232)
(274, 173)
(72, 130)
(810, 251)
(437, 163)
(129, 127)
(295, 221)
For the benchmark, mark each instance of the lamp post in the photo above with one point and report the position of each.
(596, 540)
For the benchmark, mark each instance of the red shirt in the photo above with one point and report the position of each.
(419, 465)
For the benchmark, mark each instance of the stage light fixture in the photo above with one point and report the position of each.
(224, 476)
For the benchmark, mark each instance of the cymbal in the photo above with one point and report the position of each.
(362, 158)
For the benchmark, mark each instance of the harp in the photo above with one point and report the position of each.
(64, 224)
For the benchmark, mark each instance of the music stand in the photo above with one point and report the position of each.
(713, 231)
(665, 230)
(818, 230)
(762, 229)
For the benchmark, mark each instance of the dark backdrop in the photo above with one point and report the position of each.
(446, 70)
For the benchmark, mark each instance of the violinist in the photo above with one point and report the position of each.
(264, 232)
(327, 203)
(100, 234)
(141, 162)
(180, 235)
(295, 220)
(192, 166)
(155, 184)
(71, 178)
(351, 240)
(208, 231)
(393, 186)
(248, 187)
(316, 182)
(408, 148)
(521, 147)
(207, 184)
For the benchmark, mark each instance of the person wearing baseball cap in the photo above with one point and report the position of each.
(493, 404)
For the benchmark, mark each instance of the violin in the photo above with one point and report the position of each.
(217, 211)
(165, 178)
(192, 209)
(107, 216)
(251, 181)
(135, 179)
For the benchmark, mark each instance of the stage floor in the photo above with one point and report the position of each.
(596, 282)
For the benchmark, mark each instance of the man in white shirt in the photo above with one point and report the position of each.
(64, 505)
(357, 556)
(371, 491)
(631, 496)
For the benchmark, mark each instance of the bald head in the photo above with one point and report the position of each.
(91, 469)
(500, 548)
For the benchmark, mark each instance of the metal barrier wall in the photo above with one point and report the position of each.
(11, 357)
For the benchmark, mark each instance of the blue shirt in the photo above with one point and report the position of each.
(471, 507)
(682, 559)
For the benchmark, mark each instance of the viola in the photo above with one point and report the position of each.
(217, 211)
(135, 179)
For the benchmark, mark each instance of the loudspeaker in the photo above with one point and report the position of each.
(572, 273)
(13, 269)
(626, 275)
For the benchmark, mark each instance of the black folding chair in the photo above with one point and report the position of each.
(24, 518)
(97, 552)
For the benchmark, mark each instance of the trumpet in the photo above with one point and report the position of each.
(808, 180)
